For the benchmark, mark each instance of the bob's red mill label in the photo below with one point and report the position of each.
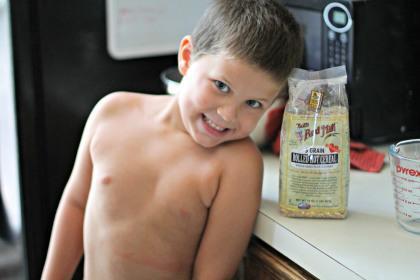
(314, 156)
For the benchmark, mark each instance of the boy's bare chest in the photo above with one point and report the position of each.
(155, 167)
(157, 188)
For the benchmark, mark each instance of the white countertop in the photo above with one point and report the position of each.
(368, 244)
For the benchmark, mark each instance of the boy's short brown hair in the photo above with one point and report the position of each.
(261, 32)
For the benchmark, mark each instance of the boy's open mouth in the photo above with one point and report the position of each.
(213, 125)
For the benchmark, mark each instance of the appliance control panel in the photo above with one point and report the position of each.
(338, 20)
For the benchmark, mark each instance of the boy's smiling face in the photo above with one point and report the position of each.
(221, 98)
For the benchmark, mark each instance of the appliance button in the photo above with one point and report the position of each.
(337, 51)
(337, 43)
(331, 51)
(343, 38)
(331, 35)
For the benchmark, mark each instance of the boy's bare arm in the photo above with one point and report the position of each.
(66, 243)
(232, 215)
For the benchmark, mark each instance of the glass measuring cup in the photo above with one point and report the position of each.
(404, 160)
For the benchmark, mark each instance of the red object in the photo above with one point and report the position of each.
(365, 158)
(273, 127)
(276, 145)
(358, 145)
(273, 124)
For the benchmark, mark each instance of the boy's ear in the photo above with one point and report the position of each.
(184, 54)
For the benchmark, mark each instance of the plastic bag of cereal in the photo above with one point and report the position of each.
(314, 156)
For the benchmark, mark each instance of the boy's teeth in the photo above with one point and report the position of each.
(213, 125)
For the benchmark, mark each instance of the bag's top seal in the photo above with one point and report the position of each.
(334, 75)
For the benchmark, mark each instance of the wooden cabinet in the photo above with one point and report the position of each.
(264, 263)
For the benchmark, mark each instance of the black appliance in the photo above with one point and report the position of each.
(377, 41)
(61, 69)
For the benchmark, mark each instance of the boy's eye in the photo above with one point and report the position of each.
(222, 86)
(254, 104)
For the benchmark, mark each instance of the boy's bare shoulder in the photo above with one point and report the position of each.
(123, 102)
(242, 156)
(246, 147)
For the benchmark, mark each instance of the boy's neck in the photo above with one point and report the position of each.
(170, 115)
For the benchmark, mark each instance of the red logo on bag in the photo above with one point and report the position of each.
(333, 148)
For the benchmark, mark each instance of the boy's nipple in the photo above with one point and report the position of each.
(106, 180)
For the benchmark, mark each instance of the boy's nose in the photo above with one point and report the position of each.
(228, 113)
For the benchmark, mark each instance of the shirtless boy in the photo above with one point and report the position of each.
(168, 187)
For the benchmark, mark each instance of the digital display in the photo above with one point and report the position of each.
(339, 17)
